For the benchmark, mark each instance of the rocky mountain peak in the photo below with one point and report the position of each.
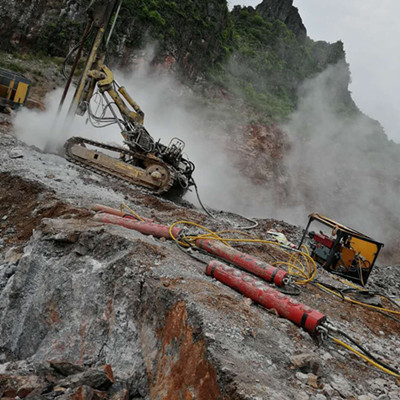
(285, 12)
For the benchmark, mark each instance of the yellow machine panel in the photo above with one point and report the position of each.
(367, 249)
(21, 93)
(14, 89)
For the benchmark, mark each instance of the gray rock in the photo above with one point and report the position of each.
(328, 390)
(307, 362)
(302, 377)
(340, 384)
(16, 153)
(94, 378)
(66, 368)
(394, 395)
(284, 11)
(301, 396)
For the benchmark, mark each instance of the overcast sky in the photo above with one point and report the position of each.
(370, 31)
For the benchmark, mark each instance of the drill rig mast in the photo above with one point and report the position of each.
(142, 161)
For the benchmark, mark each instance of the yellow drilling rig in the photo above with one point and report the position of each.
(142, 160)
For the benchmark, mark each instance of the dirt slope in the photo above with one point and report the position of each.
(75, 290)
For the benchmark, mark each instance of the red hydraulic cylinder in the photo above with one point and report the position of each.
(249, 263)
(268, 297)
(147, 228)
(114, 211)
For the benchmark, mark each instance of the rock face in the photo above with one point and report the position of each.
(39, 23)
(78, 298)
(190, 35)
(285, 12)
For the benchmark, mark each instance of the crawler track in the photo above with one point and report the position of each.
(77, 153)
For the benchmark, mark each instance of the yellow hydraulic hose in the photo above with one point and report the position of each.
(364, 357)
(123, 205)
(358, 302)
(300, 263)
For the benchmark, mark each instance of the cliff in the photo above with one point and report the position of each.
(284, 11)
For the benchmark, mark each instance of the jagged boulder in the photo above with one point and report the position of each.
(285, 12)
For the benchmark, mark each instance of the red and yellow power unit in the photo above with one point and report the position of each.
(341, 250)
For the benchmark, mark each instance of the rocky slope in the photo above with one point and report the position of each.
(76, 295)
(285, 12)
(90, 311)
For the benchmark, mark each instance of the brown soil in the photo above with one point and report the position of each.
(24, 204)
(183, 371)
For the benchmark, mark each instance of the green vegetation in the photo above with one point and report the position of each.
(260, 61)
(270, 62)
(55, 38)
(195, 30)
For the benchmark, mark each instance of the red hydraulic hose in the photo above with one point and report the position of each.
(268, 297)
(249, 263)
(147, 228)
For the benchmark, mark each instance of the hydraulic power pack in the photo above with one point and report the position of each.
(342, 250)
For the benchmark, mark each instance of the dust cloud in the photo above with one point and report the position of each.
(49, 130)
(171, 110)
(340, 163)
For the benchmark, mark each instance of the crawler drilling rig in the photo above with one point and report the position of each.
(142, 160)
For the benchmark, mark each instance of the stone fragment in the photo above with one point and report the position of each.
(100, 395)
(83, 393)
(307, 362)
(301, 377)
(329, 390)
(394, 395)
(13, 255)
(314, 381)
(65, 237)
(342, 386)
(66, 368)
(383, 396)
(96, 378)
(301, 396)
(21, 386)
(16, 153)
(119, 391)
